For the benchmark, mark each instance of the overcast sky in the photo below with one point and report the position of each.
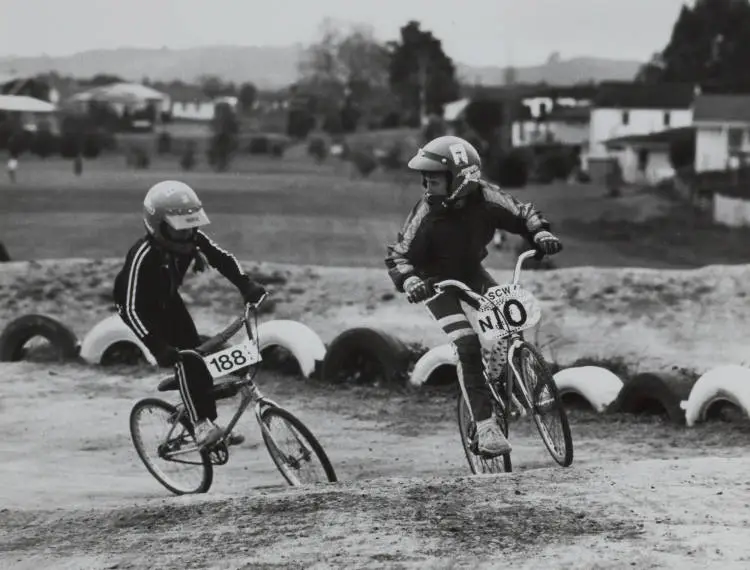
(478, 32)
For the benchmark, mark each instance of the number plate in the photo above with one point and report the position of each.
(233, 358)
(512, 309)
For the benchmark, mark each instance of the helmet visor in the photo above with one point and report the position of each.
(188, 221)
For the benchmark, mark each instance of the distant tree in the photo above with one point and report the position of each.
(103, 79)
(224, 138)
(708, 46)
(421, 74)
(344, 73)
(248, 93)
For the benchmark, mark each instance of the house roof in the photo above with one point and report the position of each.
(659, 138)
(453, 110)
(25, 104)
(121, 92)
(629, 95)
(722, 108)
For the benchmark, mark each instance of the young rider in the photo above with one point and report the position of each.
(147, 298)
(445, 236)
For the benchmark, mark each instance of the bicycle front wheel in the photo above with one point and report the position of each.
(160, 436)
(294, 449)
(547, 409)
(467, 429)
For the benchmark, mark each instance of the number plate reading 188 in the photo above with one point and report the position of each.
(233, 358)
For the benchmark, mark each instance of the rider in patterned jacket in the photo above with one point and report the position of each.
(147, 299)
(445, 236)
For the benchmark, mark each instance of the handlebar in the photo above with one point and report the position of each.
(475, 299)
(220, 338)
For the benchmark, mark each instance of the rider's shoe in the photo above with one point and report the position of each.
(235, 438)
(207, 433)
(490, 439)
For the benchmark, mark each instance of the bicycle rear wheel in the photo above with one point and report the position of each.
(294, 449)
(158, 432)
(467, 429)
(548, 412)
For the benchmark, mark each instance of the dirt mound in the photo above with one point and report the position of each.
(583, 518)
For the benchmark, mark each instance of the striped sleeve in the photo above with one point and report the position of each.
(136, 290)
(511, 214)
(220, 259)
(399, 260)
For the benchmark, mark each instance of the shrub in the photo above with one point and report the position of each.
(164, 143)
(393, 159)
(513, 170)
(188, 158)
(259, 144)
(364, 161)
(317, 148)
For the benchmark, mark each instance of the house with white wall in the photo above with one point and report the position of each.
(722, 139)
(644, 159)
(622, 109)
(554, 114)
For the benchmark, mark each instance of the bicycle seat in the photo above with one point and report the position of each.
(168, 383)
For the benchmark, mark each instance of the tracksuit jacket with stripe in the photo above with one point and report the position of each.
(147, 284)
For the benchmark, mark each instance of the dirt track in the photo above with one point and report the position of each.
(639, 494)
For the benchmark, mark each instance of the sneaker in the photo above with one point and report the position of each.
(490, 439)
(207, 433)
(235, 438)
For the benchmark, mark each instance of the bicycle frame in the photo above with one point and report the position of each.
(249, 392)
(513, 342)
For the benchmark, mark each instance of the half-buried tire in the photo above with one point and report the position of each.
(4, 255)
(365, 355)
(21, 330)
(656, 394)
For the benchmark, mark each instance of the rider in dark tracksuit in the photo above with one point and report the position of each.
(147, 298)
(445, 237)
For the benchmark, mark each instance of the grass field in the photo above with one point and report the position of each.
(292, 210)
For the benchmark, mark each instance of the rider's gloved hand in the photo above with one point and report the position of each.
(252, 291)
(547, 242)
(167, 356)
(417, 290)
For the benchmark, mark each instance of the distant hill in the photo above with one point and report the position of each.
(559, 72)
(274, 67)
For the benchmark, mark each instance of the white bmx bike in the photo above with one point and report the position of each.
(517, 375)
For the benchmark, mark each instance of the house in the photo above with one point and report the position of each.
(644, 159)
(567, 125)
(622, 109)
(722, 125)
(141, 105)
(28, 112)
(188, 102)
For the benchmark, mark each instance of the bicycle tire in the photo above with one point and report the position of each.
(302, 429)
(565, 458)
(207, 468)
(488, 465)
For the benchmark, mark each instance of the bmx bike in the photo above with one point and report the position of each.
(516, 373)
(173, 445)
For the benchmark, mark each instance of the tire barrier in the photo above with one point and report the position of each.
(598, 387)
(437, 366)
(659, 394)
(719, 393)
(111, 341)
(4, 255)
(298, 339)
(365, 355)
(21, 330)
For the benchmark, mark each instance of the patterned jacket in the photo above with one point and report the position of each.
(451, 244)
